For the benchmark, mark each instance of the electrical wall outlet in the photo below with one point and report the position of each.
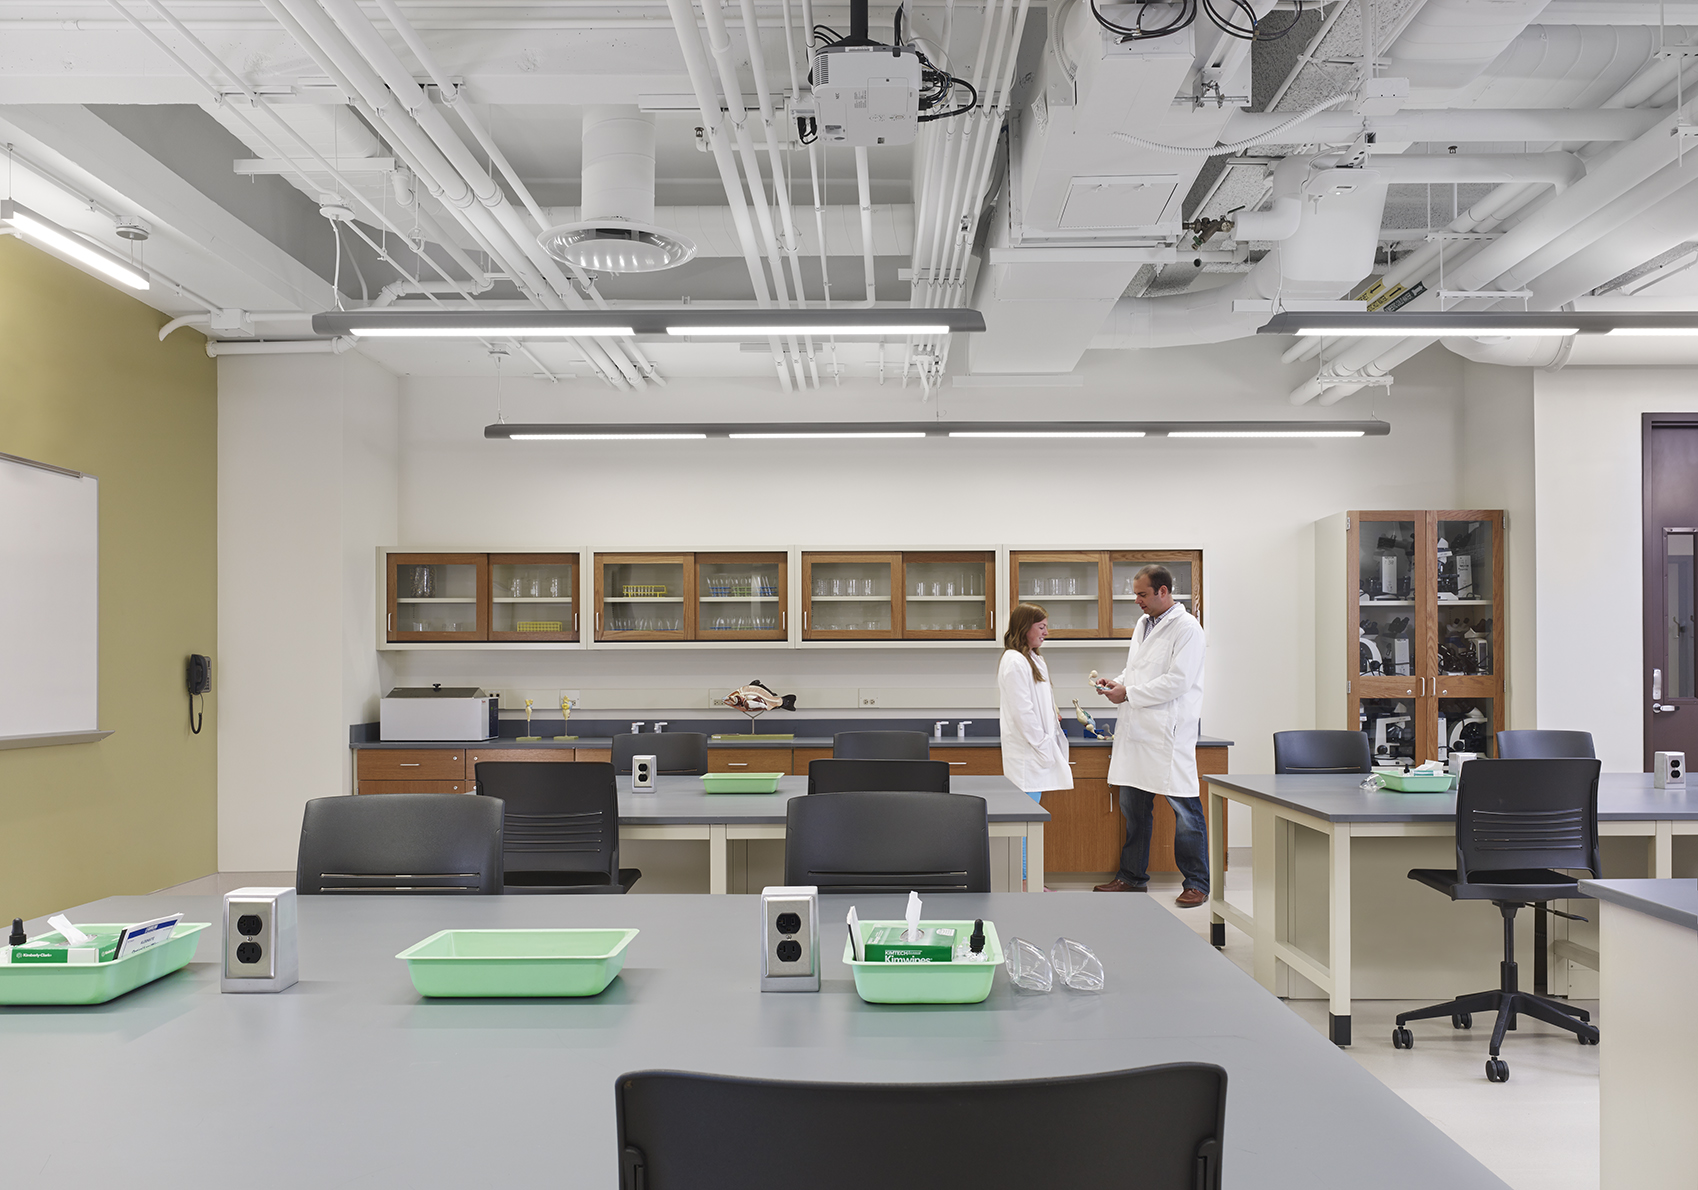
(1669, 770)
(643, 769)
(790, 938)
(261, 950)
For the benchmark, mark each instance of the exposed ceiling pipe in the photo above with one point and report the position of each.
(814, 175)
(864, 191)
(1560, 170)
(1450, 125)
(1450, 43)
(713, 125)
(387, 295)
(336, 346)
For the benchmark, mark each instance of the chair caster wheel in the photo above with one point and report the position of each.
(1462, 1020)
(1402, 1039)
(1497, 1070)
(1585, 1040)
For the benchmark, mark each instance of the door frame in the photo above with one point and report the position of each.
(1651, 565)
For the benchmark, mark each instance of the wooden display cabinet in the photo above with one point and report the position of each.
(838, 604)
(533, 597)
(947, 596)
(742, 597)
(1072, 585)
(1124, 565)
(437, 597)
(645, 597)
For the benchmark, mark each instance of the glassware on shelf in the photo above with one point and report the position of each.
(515, 586)
(554, 587)
(423, 584)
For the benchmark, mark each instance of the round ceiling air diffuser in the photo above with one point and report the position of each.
(609, 246)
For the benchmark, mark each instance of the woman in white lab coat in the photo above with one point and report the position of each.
(1034, 748)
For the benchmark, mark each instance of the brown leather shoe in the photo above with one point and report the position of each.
(1191, 898)
(1119, 885)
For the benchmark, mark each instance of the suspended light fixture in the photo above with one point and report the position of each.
(678, 323)
(617, 232)
(1483, 324)
(539, 432)
(44, 231)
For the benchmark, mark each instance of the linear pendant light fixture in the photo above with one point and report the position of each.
(1483, 324)
(682, 322)
(43, 230)
(1051, 430)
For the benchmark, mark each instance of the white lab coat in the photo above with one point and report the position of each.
(1155, 742)
(1034, 748)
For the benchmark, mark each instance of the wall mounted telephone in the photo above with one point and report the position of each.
(200, 681)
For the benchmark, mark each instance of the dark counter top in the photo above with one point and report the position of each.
(1672, 900)
(1338, 797)
(593, 742)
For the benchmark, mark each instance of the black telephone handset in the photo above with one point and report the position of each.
(200, 681)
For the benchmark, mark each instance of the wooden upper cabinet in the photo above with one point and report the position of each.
(1186, 566)
(851, 596)
(437, 597)
(742, 597)
(1071, 585)
(533, 597)
(645, 597)
(949, 596)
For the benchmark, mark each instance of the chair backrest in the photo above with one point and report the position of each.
(682, 752)
(888, 842)
(562, 820)
(1514, 814)
(1322, 752)
(881, 745)
(830, 775)
(711, 1132)
(400, 843)
(1545, 745)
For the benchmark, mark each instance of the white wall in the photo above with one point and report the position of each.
(1587, 443)
(306, 490)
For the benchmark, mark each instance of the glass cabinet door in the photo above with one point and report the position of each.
(741, 597)
(1067, 585)
(437, 597)
(1389, 642)
(1464, 553)
(533, 597)
(852, 596)
(947, 596)
(1186, 566)
(645, 596)
(1465, 725)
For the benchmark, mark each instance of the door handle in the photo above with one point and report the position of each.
(1656, 685)
(1662, 708)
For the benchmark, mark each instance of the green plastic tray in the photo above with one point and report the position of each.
(96, 983)
(926, 983)
(517, 962)
(740, 782)
(1413, 783)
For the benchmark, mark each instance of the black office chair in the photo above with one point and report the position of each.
(829, 775)
(888, 842)
(682, 752)
(1545, 745)
(1516, 820)
(400, 843)
(711, 1132)
(562, 826)
(1322, 752)
(881, 745)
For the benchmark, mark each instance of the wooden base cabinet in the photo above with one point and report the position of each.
(1086, 830)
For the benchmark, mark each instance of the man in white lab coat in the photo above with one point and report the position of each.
(1155, 744)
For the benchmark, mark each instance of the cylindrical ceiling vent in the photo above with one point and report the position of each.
(617, 233)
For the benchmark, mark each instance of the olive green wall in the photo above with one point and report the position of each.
(85, 383)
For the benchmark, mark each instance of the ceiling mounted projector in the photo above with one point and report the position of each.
(867, 94)
(615, 231)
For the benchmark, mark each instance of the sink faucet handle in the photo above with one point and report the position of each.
(937, 728)
(961, 729)
(660, 725)
(637, 727)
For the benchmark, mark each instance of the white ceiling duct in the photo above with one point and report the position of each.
(1450, 43)
(617, 233)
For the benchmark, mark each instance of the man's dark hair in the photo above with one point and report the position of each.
(1158, 577)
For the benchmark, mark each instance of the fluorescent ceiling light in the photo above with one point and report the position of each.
(449, 330)
(832, 434)
(1485, 324)
(1653, 330)
(1046, 433)
(1265, 433)
(44, 231)
(753, 331)
(1436, 331)
(1102, 431)
(676, 322)
(587, 437)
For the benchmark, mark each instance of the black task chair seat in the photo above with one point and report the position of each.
(1510, 884)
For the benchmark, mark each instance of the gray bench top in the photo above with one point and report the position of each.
(350, 1078)
(1338, 797)
(594, 742)
(680, 800)
(1672, 900)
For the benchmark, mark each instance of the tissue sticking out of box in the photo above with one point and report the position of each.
(912, 933)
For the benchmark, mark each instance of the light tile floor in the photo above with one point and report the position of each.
(1539, 1131)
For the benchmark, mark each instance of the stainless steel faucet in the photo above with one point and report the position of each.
(937, 728)
(637, 727)
(659, 725)
(961, 729)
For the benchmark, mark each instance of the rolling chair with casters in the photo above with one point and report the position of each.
(1322, 752)
(1516, 820)
(829, 775)
(400, 843)
(888, 842)
(714, 1132)
(562, 826)
(679, 752)
(881, 745)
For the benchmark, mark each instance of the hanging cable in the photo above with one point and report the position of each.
(1182, 19)
(1252, 32)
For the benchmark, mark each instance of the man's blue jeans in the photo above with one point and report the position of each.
(1190, 837)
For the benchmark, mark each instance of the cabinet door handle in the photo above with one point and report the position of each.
(410, 764)
(390, 621)
(804, 621)
(598, 621)
(736, 764)
(784, 621)
(958, 762)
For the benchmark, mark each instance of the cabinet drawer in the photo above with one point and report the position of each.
(412, 764)
(802, 756)
(1089, 763)
(971, 762)
(474, 756)
(749, 760)
(462, 786)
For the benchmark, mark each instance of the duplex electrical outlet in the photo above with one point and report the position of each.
(643, 769)
(1669, 770)
(261, 953)
(790, 939)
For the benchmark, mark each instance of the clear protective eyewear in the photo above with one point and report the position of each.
(1030, 970)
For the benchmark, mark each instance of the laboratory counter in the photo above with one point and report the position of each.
(722, 740)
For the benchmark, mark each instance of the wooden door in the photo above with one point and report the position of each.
(1388, 638)
(533, 597)
(437, 597)
(1085, 831)
(642, 597)
(1468, 659)
(948, 596)
(831, 610)
(1071, 585)
(742, 597)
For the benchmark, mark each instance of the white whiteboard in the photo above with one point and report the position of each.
(49, 604)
